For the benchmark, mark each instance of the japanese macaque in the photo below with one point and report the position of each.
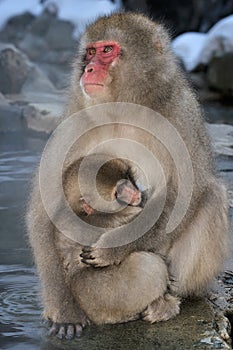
(127, 58)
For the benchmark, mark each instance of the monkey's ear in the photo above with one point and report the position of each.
(159, 46)
(161, 39)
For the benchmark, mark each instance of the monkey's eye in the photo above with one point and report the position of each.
(107, 49)
(91, 51)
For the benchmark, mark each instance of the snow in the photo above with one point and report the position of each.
(77, 11)
(188, 47)
(199, 48)
(219, 40)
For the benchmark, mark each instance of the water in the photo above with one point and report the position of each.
(21, 327)
(20, 311)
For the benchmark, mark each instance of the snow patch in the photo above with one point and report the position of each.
(199, 48)
(188, 47)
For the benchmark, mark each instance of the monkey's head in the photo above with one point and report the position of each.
(123, 58)
(116, 183)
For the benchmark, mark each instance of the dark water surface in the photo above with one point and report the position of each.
(19, 305)
(21, 327)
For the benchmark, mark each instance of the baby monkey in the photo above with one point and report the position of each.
(116, 180)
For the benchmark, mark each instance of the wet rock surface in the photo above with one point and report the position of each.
(14, 69)
(191, 329)
(18, 74)
(38, 112)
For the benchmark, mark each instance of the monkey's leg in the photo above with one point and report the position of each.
(198, 255)
(120, 293)
(59, 304)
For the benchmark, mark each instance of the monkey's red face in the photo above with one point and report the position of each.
(100, 56)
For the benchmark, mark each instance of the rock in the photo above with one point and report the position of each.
(3, 100)
(192, 329)
(20, 22)
(10, 118)
(40, 120)
(59, 35)
(16, 27)
(35, 111)
(198, 49)
(57, 57)
(222, 138)
(59, 75)
(40, 26)
(218, 113)
(18, 74)
(220, 73)
(197, 80)
(14, 69)
(182, 15)
(37, 81)
(33, 46)
(56, 32)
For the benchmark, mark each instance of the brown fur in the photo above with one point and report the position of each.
(195, 251)
(140, 279)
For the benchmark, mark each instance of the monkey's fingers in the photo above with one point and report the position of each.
(87, 249)
(89, 262)
(66, 331)
(70, 332)
(54, 329)
(87, 258)
(61, 332)
(95, 257)
(78, 330)
(87, 255)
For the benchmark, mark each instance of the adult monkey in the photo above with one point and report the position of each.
(127, 58)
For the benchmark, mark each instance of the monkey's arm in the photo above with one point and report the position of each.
(101, 257)
(59, 305)
(154, 241)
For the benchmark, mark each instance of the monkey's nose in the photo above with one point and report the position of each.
(89, 69)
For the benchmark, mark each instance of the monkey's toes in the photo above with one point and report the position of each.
(162, 309)
(152, 316)
(65, 331)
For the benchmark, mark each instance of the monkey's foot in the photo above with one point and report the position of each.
(66, 323)
(66, 330)
(162, 309)
(98, 257)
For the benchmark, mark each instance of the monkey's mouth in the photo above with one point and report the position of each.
(127, 192)
(92, 88)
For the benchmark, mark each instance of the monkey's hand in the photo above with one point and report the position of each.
(69, 330)
(101, 257)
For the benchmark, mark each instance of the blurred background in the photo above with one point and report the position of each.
(38, 39)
